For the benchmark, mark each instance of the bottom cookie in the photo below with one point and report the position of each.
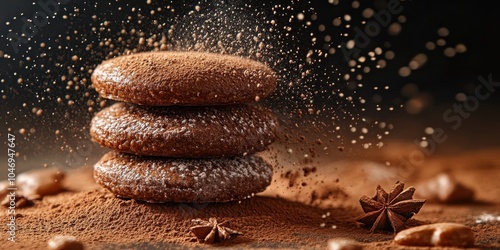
(157, 179)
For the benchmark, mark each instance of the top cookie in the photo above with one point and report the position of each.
(183, 78)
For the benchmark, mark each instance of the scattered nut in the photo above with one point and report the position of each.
(65, 242)
(446, 189)
(439, 234)
(344, 244)
(40, 182)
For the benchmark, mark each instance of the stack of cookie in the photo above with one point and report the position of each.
(182, 131)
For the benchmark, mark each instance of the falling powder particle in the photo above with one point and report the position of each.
(460, 48)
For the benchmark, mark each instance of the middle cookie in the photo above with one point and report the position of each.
(217, 131)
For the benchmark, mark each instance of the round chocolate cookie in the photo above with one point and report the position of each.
(183, 78)
(157, 179)
(194, 132)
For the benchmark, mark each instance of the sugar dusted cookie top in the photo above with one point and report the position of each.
(183, 78)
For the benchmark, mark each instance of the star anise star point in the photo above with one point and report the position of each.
(211, 231)
(389, 210)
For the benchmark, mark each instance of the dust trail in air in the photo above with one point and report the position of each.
(322, 99)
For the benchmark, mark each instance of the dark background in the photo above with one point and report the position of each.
(476, 24)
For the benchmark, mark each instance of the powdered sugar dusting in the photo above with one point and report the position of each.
(185, 131)
(183, 180)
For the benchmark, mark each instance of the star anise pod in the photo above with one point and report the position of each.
(393, 209)
(211, 231)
